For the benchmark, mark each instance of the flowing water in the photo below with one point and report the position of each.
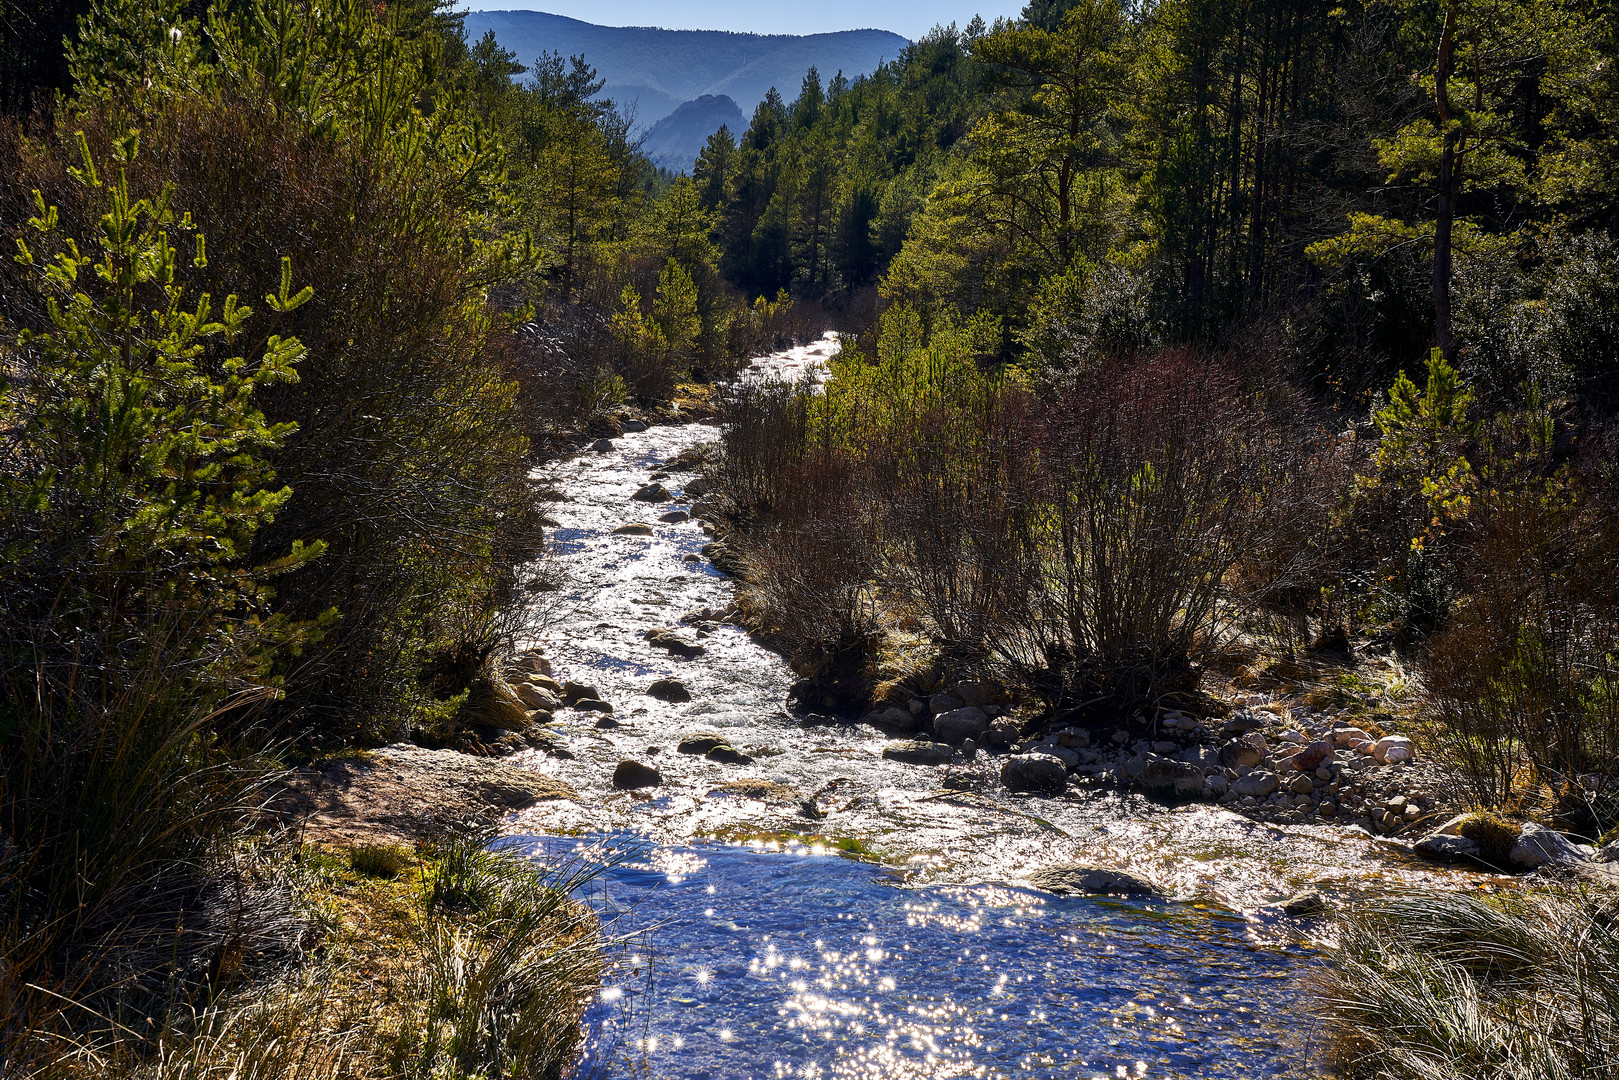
(770, 952)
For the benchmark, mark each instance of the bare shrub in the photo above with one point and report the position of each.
(763, 429)
(1159, 474)
(1525, 680)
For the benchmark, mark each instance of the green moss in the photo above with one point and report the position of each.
(1493, 834)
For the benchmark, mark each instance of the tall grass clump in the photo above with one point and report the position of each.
(1452, 986)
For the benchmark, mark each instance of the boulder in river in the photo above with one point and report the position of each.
(1040, 774)
(1164, 778)
(674, 643)
(1072, 879)
(653, 492)
(634, 425)
(981, 693)
(537, 697)
(696, 487)
(573, 691)
(919, 752)
(763, 790)
(673, 517)
(893, 718)
(602, 446)
(726, 754)
(669, 690)
(944, 702)
(1446, 847)
(958, 725)
(588, 704)
(1309, 902)
(701, 742)
(633, 774)
(634, 528)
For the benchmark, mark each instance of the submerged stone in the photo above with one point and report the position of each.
(1070, 879)
(633, 774)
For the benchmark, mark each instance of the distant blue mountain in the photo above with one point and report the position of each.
(652, 71)
(675, 141)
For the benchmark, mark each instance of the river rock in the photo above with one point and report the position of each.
(669, 690)
(573, 691)
(939, 704)
(653, 492)
(1345, 738)
(634, 425)
(1257, 784)
(1072, 879)
(537, 697)
(701, 742)
(695, 488)
(1311, 757)
(1002, 735)
(1393, 749)
(673, 517)
(634, 528)
(959, 725)
(1538, 846)
(763, 790)
(1244, 751)
(1309, 902)
(1040, 774)
(586, 704)
(1242, 723)
(606, 723)
(602, 446)
(726, 754)
(1165, 778)
(677, 645)
(1300, 785)
(633, 774)
(919, 752)
(1074, 738)
(894, 718)
(545, 682)
(722, 557)
(1445, 847)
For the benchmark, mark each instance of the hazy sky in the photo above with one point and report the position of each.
(912, 18)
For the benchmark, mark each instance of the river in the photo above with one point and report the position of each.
(887, 930)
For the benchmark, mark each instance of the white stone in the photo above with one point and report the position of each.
(1393, 749)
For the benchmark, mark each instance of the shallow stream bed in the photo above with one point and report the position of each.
(775, 954)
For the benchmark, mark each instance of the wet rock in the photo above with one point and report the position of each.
(634, 425)
(939, 704)
(1040, 774)
(1071, 879)
(1165, 778)
(651, 493)
(1445, 847)
(573, 691)
(602, 446)
(537, 697)
(634, 528)
(586, 704)
(1244, 751)
(674, 643)
(701, 742)
(722, 557)
(1001, 736)
(920, 752)
(633, 774)
(1203, 757)
(1309, 902)
(726, 754)
(606, 723)
(958, 725)
(1537, 846)
(691, 557)
(1311, 757)
(695, 488)
(893, 718)
(545, 682)
(965, 780)
(1393, 749)
(1069, 758)
(669, 690)
(532, 664)
(673, 517)
(1256, 784)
